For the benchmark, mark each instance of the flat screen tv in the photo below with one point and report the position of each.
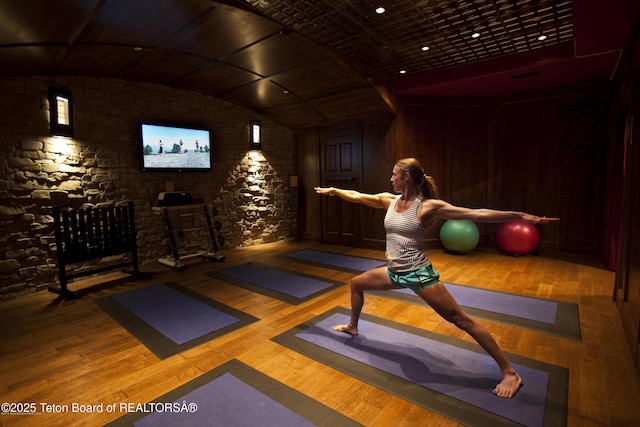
(175, 148)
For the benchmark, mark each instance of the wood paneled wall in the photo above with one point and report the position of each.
(551, 153)
(511, 152)
(451, 141)
(308, 177)
(627, 138)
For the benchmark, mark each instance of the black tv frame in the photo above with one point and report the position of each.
(187, 159)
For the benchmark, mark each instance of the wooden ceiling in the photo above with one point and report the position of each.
(308, 63)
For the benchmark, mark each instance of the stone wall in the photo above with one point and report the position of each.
(101, 166)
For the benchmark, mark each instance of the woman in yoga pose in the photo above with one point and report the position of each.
(409, 213)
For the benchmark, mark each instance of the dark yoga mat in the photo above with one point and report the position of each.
(285, 285)
(237, 395)
(168, 318)
(446, 375)
(548, 316)
(348, 263)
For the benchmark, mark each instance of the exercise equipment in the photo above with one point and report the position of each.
(517, 237)
(192, 231)
(459, 236)
(94, 240)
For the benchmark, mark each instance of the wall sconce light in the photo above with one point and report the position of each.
(60, 112)
(255, 135)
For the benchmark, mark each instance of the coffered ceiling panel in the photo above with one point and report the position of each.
(320, 78)
(260, 94)
(27, 23)
(347, 105)
(142, 22)
(223, 32)
(217, 78)
(108, 60)
(162, 66)
(267, 57)
(309, 63)
(297, 115)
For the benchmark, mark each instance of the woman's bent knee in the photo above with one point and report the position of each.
(357, 284)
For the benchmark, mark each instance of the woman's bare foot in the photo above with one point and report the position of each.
(346, 329)
(509, 385)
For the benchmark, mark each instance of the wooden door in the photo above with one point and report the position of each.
(628, 273)
(341, 166)
(583, 179)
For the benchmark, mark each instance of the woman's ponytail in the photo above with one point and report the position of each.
(426, 184)
(429, 187)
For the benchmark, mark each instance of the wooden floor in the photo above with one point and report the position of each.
(64, 352)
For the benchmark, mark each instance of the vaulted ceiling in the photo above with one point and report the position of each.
(308, 63)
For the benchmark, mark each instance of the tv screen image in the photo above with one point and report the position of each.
(173, 148)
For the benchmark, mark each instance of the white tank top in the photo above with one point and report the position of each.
(404, 238)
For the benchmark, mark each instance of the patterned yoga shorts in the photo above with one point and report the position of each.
(416, 280)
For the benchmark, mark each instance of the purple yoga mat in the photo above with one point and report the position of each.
(337, 260)
(499, 302)
(447, 369)
(277, 280)
(226, 401)
(174, 314)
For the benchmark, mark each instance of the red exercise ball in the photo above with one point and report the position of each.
(517, 237)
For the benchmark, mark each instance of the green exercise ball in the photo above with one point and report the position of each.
(459, 236)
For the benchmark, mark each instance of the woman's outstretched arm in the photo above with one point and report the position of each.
(446, 210)
(380, 200)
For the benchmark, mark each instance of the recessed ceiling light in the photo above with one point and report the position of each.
(137, 48)
(425, 48)
(542, 37)
(475, 35)
(403, 71)
(380, 10)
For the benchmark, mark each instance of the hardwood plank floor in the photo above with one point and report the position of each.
(63, 352)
